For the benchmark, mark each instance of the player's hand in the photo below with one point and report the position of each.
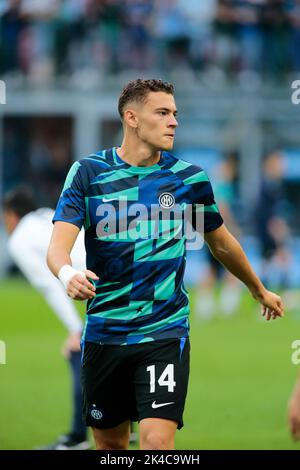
(294, 413)
(71, 344)
(271, 305)
(79, 287)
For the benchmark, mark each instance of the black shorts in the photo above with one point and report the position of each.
(134, 382)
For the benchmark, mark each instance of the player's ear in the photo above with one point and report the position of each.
(11, 220)
(130, 118)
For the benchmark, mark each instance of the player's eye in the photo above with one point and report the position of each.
(162, 113)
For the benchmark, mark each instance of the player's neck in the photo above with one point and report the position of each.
(138, 153)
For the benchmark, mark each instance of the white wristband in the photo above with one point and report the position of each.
(66, 273)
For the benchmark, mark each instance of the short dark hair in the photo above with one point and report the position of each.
(137, 90)
(19, 200)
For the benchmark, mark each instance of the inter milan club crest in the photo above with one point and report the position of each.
(96, 414)
(166, 200)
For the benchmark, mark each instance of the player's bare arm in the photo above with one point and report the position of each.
(58, 258)
(228, 251)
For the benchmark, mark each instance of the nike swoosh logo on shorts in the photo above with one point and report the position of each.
(158, 405)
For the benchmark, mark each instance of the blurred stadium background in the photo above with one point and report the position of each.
(233, 63)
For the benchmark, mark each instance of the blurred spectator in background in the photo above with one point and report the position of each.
(226, 49)
(199, 18)
(249, 37)
(293, 13)
(278, 268)
(111, 32)
(39, 157)
(271, 227)
(13, 155)
(171, 30)
(53, 172)
(37, 151)
(11, 28)
(275, 25)
(270, 196)
(246, 40)
(137, 35)
(230, 293)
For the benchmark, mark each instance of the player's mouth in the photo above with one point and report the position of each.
(171, 136)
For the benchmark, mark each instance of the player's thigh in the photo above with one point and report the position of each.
(161, 380)
(116, 438)
(107, 391)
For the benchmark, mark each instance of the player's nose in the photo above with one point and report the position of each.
(173, 122)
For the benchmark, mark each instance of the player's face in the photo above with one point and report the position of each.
(156, 120)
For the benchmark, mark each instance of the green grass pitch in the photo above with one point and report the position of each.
(241, 377)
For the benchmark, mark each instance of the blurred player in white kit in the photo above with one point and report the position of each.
(29, 230)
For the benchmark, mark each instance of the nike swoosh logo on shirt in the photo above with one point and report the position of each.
(158, 405)
(107, 200)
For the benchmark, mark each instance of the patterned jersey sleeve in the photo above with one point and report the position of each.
(71, 204)
(204, 203)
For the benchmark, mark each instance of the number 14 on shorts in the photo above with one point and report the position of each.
(166, 379)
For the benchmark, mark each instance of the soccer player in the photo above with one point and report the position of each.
(135, 361)
(29, 230)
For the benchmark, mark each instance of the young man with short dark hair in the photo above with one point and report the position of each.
(135, 361)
